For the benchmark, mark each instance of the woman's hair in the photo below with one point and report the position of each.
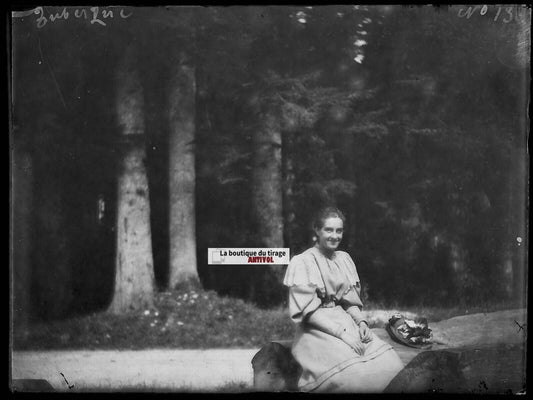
(325, 213)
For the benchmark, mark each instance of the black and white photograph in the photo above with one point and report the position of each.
(269, 198)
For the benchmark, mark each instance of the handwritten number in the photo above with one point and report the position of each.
(468, 13)
(509, 11)
(498, 14)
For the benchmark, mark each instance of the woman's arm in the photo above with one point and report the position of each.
(356, 314)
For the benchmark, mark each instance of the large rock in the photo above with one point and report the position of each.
(483, 328)
(275, 368)
(428, 372)
(472, 353)
(491, 369)
(405, 353)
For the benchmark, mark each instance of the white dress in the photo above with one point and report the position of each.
(329, 364)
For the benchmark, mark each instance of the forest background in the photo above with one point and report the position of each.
(140, 137)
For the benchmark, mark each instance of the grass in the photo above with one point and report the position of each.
(196, 319)
(192, 319)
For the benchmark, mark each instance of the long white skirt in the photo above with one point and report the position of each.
(330, 365)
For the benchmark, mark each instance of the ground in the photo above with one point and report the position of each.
(228, 369)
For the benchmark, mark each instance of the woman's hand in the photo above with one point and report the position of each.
(353, 342)
(364, 332)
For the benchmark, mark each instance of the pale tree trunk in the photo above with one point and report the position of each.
(21, 205)
(134, 276)
(182, 220)
(267, 182)
(266, 188)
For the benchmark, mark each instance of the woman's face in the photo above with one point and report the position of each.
(330, 235)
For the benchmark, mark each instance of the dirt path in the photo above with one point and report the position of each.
(160, 369)
(208, 370)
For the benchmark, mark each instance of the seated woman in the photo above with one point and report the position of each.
(333, 344)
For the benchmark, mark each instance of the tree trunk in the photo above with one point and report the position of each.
(267, 196)
(21, 203)
(134, 275)
(267, 182)
(182, 218)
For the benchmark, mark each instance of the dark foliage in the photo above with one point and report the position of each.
(411, 120)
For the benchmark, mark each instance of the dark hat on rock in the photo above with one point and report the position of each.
(413, 333)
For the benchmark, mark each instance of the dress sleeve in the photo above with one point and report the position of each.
(356, 314)
(350, 269)
(303, 281)
(304, 306)
(303, 271)
(303, 300)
